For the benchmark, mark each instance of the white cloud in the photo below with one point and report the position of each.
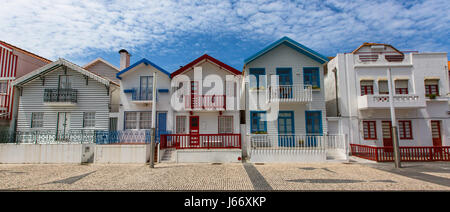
(69, 28)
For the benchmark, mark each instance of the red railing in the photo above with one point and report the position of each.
(407, 153)
(202, 141)
(205, 101)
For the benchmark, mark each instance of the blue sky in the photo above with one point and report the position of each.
(173, 33)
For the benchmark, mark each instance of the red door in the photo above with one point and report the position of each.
(437, 140)
(386, 128)
(436, 133)
(194, 130)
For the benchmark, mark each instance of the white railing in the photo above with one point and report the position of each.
(296, 148)
(397, 98)
(382, 101)
(291, 93)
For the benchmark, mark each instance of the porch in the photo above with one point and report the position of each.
(407, 153)
(296, 148)
(201, 141)
(200, 148)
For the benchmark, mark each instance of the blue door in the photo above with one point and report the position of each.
(285, 82)
(286, 132)
(313, 126)
(161, 127)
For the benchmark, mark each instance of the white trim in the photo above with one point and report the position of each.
(3, 46)
(66, 63)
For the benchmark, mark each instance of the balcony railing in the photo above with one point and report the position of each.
(60, 95)
(205, 102)
(201, 141)
(290, 93)
(407, 153)
(142, 94)
(382, 101)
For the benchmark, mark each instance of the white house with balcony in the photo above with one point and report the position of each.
(285, 104)
(206, 113)
(144, 96)
(357, 96)
(62, 102)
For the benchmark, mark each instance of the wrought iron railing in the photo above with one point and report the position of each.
(60, 95)
(76, 137)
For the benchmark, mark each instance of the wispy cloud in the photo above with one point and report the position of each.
(68, 28)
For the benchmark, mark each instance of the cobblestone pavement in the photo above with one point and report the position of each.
(236, 176)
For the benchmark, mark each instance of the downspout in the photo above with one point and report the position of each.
(338, 113)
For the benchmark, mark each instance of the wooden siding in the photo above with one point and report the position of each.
(286, 57)
(104, 70)
(8, 69)
(92, 97)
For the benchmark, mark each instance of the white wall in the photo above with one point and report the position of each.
(40, 153)
(416, 67)
(131, 79)
(139, 153)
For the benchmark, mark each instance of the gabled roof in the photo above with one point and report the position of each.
(294, 45)
(12, 47)
(100, 60)
(376, 44)
(53, 66)
(146, 62)
(207, 58)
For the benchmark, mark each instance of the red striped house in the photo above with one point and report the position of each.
(14, 62)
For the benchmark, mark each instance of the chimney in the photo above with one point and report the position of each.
(124, 59)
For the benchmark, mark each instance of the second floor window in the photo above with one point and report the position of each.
(64, 82)
(401, 87)
(366, 87)
(3, 87)
(311, 76)
(257, 78)
(383, 87)
(431, 87)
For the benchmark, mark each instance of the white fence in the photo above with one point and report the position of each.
(296, 148)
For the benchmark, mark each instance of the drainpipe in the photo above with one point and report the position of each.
(394, 122)
(338, 113)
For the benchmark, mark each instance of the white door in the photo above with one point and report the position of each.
(63, 126)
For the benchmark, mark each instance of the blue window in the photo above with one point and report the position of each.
(258, 123)
(311, 76)
(260, 75)
(313, 122)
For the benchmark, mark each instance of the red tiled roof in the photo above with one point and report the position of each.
(205, 57)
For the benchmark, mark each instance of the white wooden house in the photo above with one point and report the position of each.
(285, 104)
(62, 101)
(357, 96)
(206, 113)
(144, 96)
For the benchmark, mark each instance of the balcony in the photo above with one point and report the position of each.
(140, 96)
(60, 97)
(382, 101)
(381, 60)
(290, 93)
(205, 102)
